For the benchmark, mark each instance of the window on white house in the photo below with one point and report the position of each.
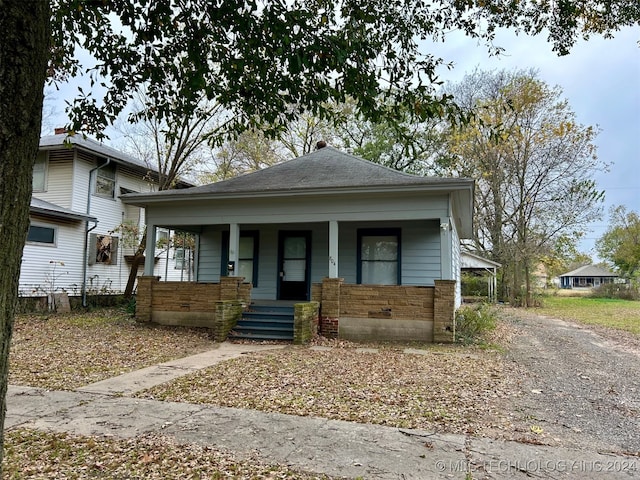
(181, 258)
(106, 181)
(39, 234)
(39, 179)
(379, 257)
(105, 249)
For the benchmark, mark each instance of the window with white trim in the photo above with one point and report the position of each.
(41, 234)
(105, 184)
(181, 257)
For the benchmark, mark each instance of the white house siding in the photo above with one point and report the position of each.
(59, 177)
(67, 184)
(38, 275)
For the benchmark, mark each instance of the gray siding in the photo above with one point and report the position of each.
(420, 252)
(209, 261)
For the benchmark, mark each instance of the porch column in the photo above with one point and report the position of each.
(234, 248)
(333, 249)
(150, 250)
(446, 252)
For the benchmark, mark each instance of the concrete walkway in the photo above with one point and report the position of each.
(319, 445)
(130, 383)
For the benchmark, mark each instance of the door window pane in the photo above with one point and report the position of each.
(294, 270)
(295, 247)
(295, 259)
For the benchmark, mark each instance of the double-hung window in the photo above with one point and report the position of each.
(182, 258)
(379, 256)
(247, 256)
(106, 181)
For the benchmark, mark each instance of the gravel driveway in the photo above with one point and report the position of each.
(579, 384)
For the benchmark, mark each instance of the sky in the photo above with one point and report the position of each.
(600, 79)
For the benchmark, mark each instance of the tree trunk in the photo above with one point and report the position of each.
(24, 51)
(138, 259)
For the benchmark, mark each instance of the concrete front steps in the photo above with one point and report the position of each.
(265, 322)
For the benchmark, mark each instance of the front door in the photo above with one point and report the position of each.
(293, 261)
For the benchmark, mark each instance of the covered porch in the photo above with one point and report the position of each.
(377, 250)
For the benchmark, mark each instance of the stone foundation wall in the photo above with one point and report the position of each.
(387, 301)
(216, 306)
(444, 309)
(427, 313)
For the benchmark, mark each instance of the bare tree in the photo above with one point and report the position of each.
(173, 146)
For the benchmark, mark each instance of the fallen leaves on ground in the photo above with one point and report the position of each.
(454, 390)
(34, 454)
(64, 352)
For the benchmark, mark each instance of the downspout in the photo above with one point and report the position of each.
(86, 234)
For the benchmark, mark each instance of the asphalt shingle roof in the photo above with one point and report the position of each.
(325, 168)
(589, 271)
(51, 209)
(94, 146)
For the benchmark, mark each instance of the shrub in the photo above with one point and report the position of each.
(619, 291)
(473, 322)
(474, 286)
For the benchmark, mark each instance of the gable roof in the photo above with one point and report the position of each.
(324, 169)
(589, 271)
(49, 209)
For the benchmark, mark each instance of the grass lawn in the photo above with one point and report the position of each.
(605, 312)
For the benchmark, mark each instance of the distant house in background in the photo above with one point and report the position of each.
(476, 265)
(75, 208)
(588, 276)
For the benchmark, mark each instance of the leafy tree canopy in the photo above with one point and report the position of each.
(265, 62)
(620, 245)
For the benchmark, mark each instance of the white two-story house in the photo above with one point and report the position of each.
(74, 245)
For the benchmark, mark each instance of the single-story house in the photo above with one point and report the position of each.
(587, 276)
(371, 252)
